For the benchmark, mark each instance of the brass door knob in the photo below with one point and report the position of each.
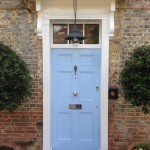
(75, 93)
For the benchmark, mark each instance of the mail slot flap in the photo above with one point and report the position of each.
(75, 106)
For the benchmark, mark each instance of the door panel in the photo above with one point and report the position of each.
(86, 88)
(86, 132)
(86, 59)
(64, 93)
(64, 133)
(75, 99)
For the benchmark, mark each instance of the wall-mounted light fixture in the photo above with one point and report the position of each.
(75, 36)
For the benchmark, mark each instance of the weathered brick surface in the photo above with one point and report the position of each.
(127, 124)
(18, 29)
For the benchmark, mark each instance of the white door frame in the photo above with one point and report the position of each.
(43, 30)
(46, 34)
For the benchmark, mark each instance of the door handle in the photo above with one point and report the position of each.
(75, 93)
(75, 69)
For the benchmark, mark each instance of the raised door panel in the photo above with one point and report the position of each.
(75, 128)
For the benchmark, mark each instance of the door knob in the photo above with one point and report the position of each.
(75, 93)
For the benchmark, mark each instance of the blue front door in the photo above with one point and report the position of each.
(75, 105)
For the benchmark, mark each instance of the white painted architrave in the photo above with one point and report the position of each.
(82, 14)
(43, 26)
(104, 84)
(46, 84)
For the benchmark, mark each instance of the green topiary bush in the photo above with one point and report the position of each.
(6, 148)
(142, 147)
(135, 78)
(15, 80)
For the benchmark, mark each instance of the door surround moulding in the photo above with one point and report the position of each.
(47, 88)
(42, 14)
(43, 31)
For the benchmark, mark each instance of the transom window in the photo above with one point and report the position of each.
(90, 31)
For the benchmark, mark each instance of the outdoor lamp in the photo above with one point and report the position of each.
(75, 36)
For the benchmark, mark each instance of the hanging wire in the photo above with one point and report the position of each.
(75, 10)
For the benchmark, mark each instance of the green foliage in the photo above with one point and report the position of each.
(15, 80)
(6, 148)
(135, 78)
(142, 147)
(24, 143)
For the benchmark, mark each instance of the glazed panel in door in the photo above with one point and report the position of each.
(75, 99)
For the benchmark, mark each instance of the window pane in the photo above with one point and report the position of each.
(80, 27)
(92, 33)
(59, 33)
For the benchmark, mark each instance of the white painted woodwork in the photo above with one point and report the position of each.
(112, 24)
(39, 19)
(46, 84)
(52, 10)
(91, 9)
(80, 2)
(104, 85)
(38, 5)
(113, 6)
(39, 26)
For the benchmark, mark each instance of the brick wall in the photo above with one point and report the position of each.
(127, 124)
(18, 29)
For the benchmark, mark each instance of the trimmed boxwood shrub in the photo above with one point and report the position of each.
(15, 80)
(135, 78)
(6, 148)
(142, 147)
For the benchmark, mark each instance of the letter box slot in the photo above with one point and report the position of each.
(75, 106)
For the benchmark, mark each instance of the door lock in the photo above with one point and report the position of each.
(75, 93)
